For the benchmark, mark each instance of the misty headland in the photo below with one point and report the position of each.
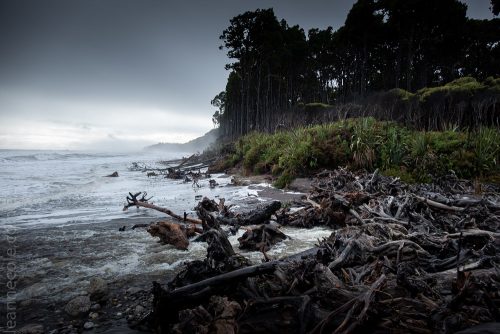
(347, 179)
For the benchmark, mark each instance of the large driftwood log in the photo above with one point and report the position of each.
(261, 238)
(216, 214)
(260, 215)
(173, 234)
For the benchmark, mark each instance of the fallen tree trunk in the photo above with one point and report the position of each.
(216, 214)
(261, 238)
(222, 279)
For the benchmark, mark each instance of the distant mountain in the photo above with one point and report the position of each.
(196, 145)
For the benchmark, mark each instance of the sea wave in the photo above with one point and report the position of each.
(53, 156)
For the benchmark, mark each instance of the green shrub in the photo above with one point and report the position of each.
(365, 143)
(400, 94)
(464, 87)
(284, 179)
(309, 107)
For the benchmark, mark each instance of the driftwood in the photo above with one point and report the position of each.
(261, 238)
(403, 258)
(179, 169)
(216, 214)
(212, 215)
(173, 234)
(188, 168)
(132, 200)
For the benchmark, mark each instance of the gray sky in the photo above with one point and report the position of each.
(122, 74)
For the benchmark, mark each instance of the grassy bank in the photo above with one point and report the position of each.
(364, 143)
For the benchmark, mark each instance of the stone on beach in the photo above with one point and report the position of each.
(78, 306)
(31, 329)
(95, 307)
(98, 289)
(139, 309)
(88, 325)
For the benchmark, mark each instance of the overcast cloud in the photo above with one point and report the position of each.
(124, 73)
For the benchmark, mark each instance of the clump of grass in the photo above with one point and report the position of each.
(284, 179)
(394, 147)
(486, 144)
(364, 142)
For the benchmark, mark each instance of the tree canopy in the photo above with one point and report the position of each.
(383, 44)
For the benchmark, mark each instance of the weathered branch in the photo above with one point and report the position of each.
(143, 202)
(439, 205)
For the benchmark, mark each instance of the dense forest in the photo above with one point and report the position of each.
(401, 56)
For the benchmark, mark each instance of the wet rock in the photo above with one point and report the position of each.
(487, 328)
(98, 289)
(78, 306)
(95, 307)
(93, 315)
(114, 174)
(68, 330)
(88, 325)
(139, 309)
(31, 329)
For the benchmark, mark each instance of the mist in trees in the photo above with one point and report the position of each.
(382, 45)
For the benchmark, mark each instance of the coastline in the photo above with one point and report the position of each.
(122, 265)
(65, 254)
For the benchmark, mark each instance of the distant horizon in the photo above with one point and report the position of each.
(112, 150)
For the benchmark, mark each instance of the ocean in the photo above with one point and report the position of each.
(60, 218)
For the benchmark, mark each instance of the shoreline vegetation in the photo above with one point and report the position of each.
(453, 128)
(365, 143)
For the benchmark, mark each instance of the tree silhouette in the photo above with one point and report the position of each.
(383, 44)
(495, 6)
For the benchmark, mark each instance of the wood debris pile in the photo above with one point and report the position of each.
(188, 169)
(402, 258)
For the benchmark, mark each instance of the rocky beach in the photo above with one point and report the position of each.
(68, 245)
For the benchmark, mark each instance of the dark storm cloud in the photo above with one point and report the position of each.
(71, 61)
(155, 52)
